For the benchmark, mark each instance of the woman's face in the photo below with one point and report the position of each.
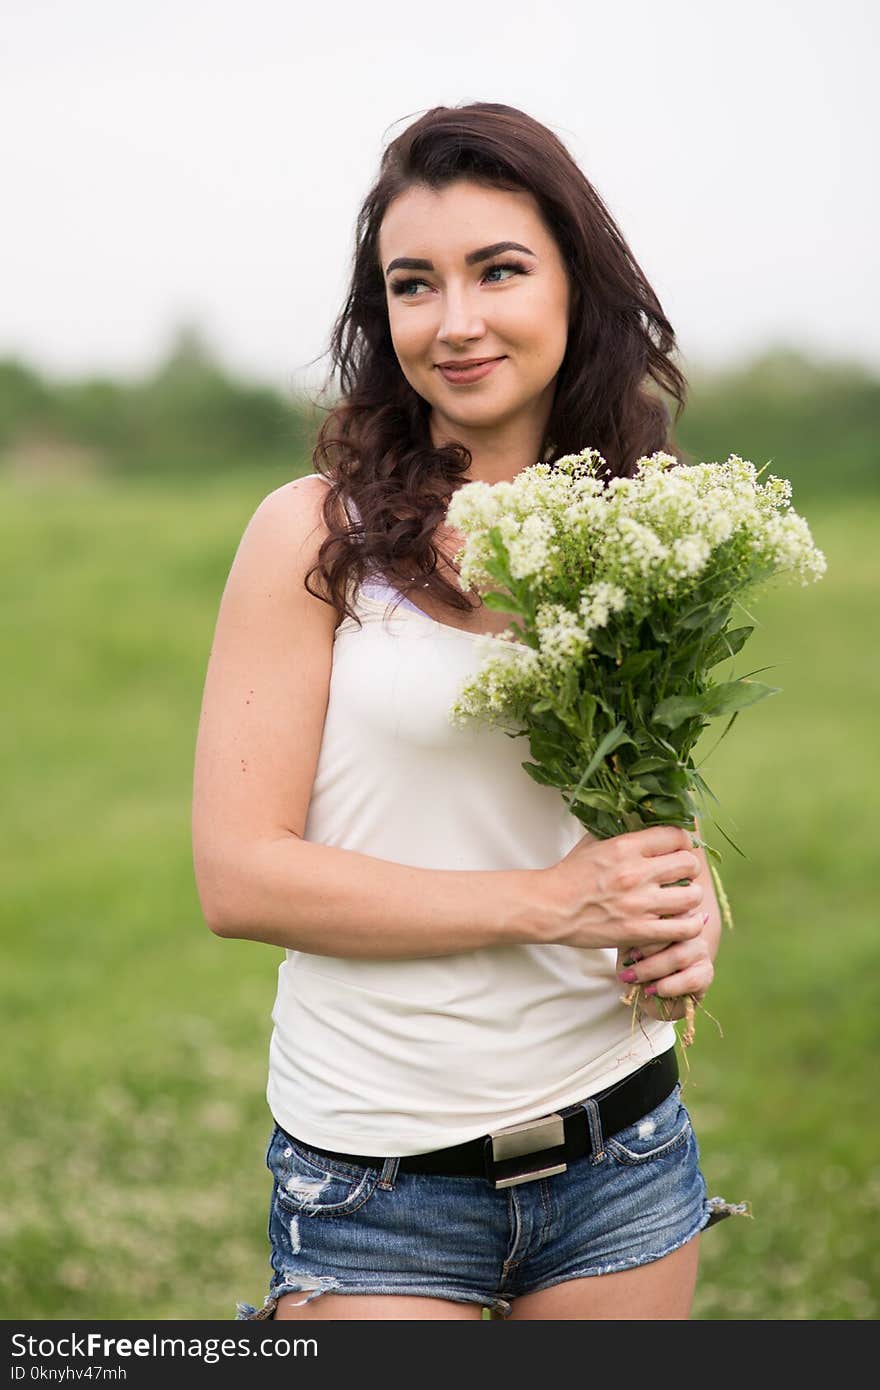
(512, 304)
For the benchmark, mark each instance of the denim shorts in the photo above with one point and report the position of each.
(344, 1227)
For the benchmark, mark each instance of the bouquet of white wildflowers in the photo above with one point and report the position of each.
(626, 595)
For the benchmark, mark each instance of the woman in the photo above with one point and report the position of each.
(465, 1116)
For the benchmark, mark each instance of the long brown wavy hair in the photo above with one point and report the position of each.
(375, 448)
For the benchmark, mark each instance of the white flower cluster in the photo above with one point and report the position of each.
(514, 674)
(507, 680)
(786, 543)
(564, 635)
(667, 524)
(588, 547)
(531, 550)
(561, 634)
(689, 555)
(631, 548)
(598, 602)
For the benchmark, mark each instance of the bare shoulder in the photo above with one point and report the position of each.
(300, 496)
(281, 543)
(294, 513)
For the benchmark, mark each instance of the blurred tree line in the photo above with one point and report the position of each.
(818, 421)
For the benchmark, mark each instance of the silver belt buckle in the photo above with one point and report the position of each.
(518, 1141)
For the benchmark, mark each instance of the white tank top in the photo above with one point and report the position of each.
(407, 1055)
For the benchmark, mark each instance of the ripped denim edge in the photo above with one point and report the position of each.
(327, 1284)
(714, 1209)
(718, 1209)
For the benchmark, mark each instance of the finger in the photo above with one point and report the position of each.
(661, 930)
(631, 955)
(660, 839)
(695, 979)
(668, 868)
(628, 955)
(666, 960)
(675, 901)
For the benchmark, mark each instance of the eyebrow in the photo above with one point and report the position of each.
(472, 257)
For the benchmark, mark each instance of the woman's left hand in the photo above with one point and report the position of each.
(670, 973)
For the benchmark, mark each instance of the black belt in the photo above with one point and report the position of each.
(538, 1148)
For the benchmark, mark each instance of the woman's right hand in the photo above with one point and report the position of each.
(612, 893)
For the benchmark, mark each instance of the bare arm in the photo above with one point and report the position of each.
(328, 901)
(259, 737)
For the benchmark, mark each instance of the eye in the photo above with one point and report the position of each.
(399, 287)
(520, 270)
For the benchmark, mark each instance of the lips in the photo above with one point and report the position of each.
(461, 375)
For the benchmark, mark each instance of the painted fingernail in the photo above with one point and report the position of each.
(705, 918)
(629, 977)
(650, 989)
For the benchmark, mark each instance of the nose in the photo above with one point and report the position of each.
(459, 322)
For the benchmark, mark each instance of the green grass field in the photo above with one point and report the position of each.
(134, 1117)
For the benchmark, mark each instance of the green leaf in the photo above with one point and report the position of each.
(728, 839)
(651, 783)
(544, 747)
(635, 664)
(541, 706)
(677, 779)
(700, 782)
(496, 569)
(613, 739)
(676, 709)
(668, 806)
(664, 743)
(687, 657)
(756, 671)
(497, 541)
(604, 705)
(602, 801)
(602, 640)
(658, 627)
(637, 791)
(696, 617)
(569, 687)
(669, 781)
(727, 644)
(735, 695)
(647, 765)
(501, 603)
(717, 621)
(587, 713)
(541, 775)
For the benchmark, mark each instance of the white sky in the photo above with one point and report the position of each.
(166, 160)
